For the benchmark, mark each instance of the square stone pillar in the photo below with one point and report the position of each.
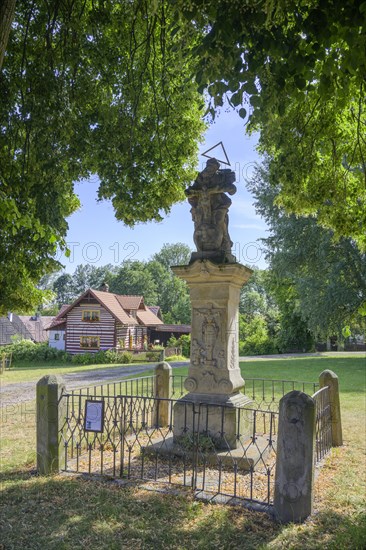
(214, 377)
(50, 417)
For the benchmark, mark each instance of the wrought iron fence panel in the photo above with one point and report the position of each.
(133, 445)
(266, 393)
(141, 386)
(323, 423)
(178, 389)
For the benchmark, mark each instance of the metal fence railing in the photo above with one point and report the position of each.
(266, 393)
(323, 423)
(134, 446)
(142, 386)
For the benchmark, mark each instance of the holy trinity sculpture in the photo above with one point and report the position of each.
(210, 205)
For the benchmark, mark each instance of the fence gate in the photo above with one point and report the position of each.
(123, 437)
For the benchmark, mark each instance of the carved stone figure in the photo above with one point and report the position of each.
(210, 205)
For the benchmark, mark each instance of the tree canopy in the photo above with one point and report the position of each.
(109, 87)
(299, 67)
(320, 279)
(89, 88)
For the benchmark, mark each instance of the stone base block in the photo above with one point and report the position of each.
(221, 419)
(246, 457)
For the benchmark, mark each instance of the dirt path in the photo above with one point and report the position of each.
(12, 394)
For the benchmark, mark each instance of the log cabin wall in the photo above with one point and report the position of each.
(138, 336)
(122, 336)
(83, 336)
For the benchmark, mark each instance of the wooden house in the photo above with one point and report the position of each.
(100, 320)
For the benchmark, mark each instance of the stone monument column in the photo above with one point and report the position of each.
(214, 279)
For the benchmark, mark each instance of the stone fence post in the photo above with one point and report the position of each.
(163, 390)
(330, 379)
(50, 415)
(294, 480)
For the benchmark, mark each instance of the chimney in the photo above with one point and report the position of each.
(104, 287)
(10, 316)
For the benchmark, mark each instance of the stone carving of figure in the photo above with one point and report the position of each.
(210, 205)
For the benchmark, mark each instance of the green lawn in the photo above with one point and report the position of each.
(71, 513)
(32, 372)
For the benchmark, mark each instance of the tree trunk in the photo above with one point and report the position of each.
(7, 11)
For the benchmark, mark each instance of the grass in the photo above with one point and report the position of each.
(32, 372)
(71, 513)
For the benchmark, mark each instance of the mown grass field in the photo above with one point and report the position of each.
(32, 372)
(61, 512)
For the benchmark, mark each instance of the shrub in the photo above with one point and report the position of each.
(254, 337)
(125, 357)
(172, 358)
(102, 358)
(184, 342)
(26, 350)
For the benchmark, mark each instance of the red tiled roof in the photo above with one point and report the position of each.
(59, 319)
(57, 323)
(129, 302)
(60, 313)
(147, 317)
(111, 303)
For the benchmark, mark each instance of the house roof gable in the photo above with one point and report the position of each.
(130, 302)
(109, 301)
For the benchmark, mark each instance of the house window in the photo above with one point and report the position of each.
(57, 336)
(90, 315)
(89, 342)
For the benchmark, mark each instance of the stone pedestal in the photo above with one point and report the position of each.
(213, 403)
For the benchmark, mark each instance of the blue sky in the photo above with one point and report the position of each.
(96, 237)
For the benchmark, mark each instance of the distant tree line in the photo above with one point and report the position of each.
(314, 287)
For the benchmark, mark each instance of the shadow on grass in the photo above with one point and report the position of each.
(62, 512)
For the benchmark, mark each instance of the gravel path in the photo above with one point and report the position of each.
(12, 394)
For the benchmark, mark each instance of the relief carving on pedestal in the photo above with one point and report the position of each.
(209, 328)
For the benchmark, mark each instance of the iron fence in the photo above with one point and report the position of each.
(192, 452)
(266, 393)
(323, 423)
(134, 445)
(141, 386)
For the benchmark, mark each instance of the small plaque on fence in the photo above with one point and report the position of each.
(94, 416)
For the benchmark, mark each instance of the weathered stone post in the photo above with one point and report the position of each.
(294, 480)
(330, 379)
(50, 414)
(163, 390)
